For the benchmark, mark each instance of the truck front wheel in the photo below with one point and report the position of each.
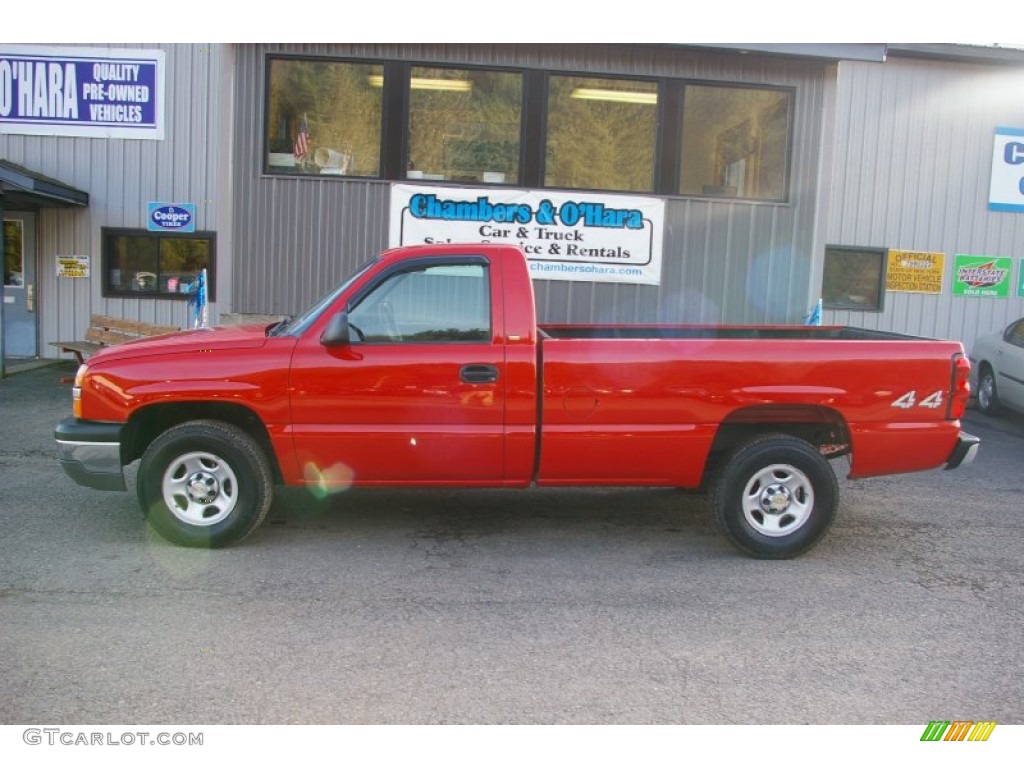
(204, 484)
(775, 497)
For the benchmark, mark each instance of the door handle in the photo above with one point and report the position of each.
(478, 374)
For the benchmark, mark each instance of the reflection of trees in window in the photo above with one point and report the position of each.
(179, 255)
(434, 303)
(464, 124)
(130, 256)
(735, 142)
(14, 267)
(341, 103)
(601, 134)
(853, 278)
(467, 125)
(155, 264)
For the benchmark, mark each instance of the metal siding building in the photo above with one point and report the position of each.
(912, 162)
(893, 153)
(296, 237)
(121, 176)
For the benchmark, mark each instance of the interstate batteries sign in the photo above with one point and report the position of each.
(566, 236)
(987, 276)
(92, 92)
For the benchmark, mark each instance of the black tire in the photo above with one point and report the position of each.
(204, 484)
(775, 497)
(988, 397)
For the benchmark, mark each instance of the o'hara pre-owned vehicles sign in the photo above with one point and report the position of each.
(566, 236)
(94, 92)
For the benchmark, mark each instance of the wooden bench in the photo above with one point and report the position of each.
(104, 331)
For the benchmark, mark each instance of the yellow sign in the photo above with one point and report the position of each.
(72, 266)
(915, 271)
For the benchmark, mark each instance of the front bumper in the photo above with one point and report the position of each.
(964, 451)
(90, 453)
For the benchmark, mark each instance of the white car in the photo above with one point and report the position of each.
(997, 369)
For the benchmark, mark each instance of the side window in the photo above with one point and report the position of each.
(443, 303)
(601, 133)
(464, 125)
(140, 264)
(1016, 335)
(324, 117)
(854, 278)
(735, 142)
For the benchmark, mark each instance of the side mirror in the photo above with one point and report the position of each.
(338, 332)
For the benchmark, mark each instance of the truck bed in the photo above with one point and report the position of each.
(645, 403)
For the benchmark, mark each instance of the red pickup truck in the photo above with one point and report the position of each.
(428, 368)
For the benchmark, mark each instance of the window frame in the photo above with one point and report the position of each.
(107, 234)
(1014, 331)
(394, 134)
(659, 89)
(424, 263)
(878, 304)
(790, 92)
(265, 113)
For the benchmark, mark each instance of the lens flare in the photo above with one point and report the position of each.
(329, 480)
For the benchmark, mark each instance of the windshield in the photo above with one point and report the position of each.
(297, 325)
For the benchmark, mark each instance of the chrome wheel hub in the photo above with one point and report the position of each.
(775, 499)
(985, 391)
(778, 500)
(200, 488)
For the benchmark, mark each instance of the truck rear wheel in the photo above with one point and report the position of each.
(775, 497)
(204, 484)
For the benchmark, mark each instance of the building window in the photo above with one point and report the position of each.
(735, 142)
(14, 255)
(854, 278)
(464, 125)
(601, 134)
(422, 122)
(324, 117)
(137, 263)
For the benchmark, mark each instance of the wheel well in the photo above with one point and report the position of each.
(822, 427)
(153, 420)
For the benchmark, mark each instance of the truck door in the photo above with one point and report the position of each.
(418, 395)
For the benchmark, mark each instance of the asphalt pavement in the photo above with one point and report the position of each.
(534, 607)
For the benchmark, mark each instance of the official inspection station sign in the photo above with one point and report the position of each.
(914, 271)
(566, 236)
(73, 266)
(114, 93)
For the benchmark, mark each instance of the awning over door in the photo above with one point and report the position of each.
(25, 190)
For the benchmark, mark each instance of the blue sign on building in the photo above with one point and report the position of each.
(1006, 192)
(91, 92)
(171, 217)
